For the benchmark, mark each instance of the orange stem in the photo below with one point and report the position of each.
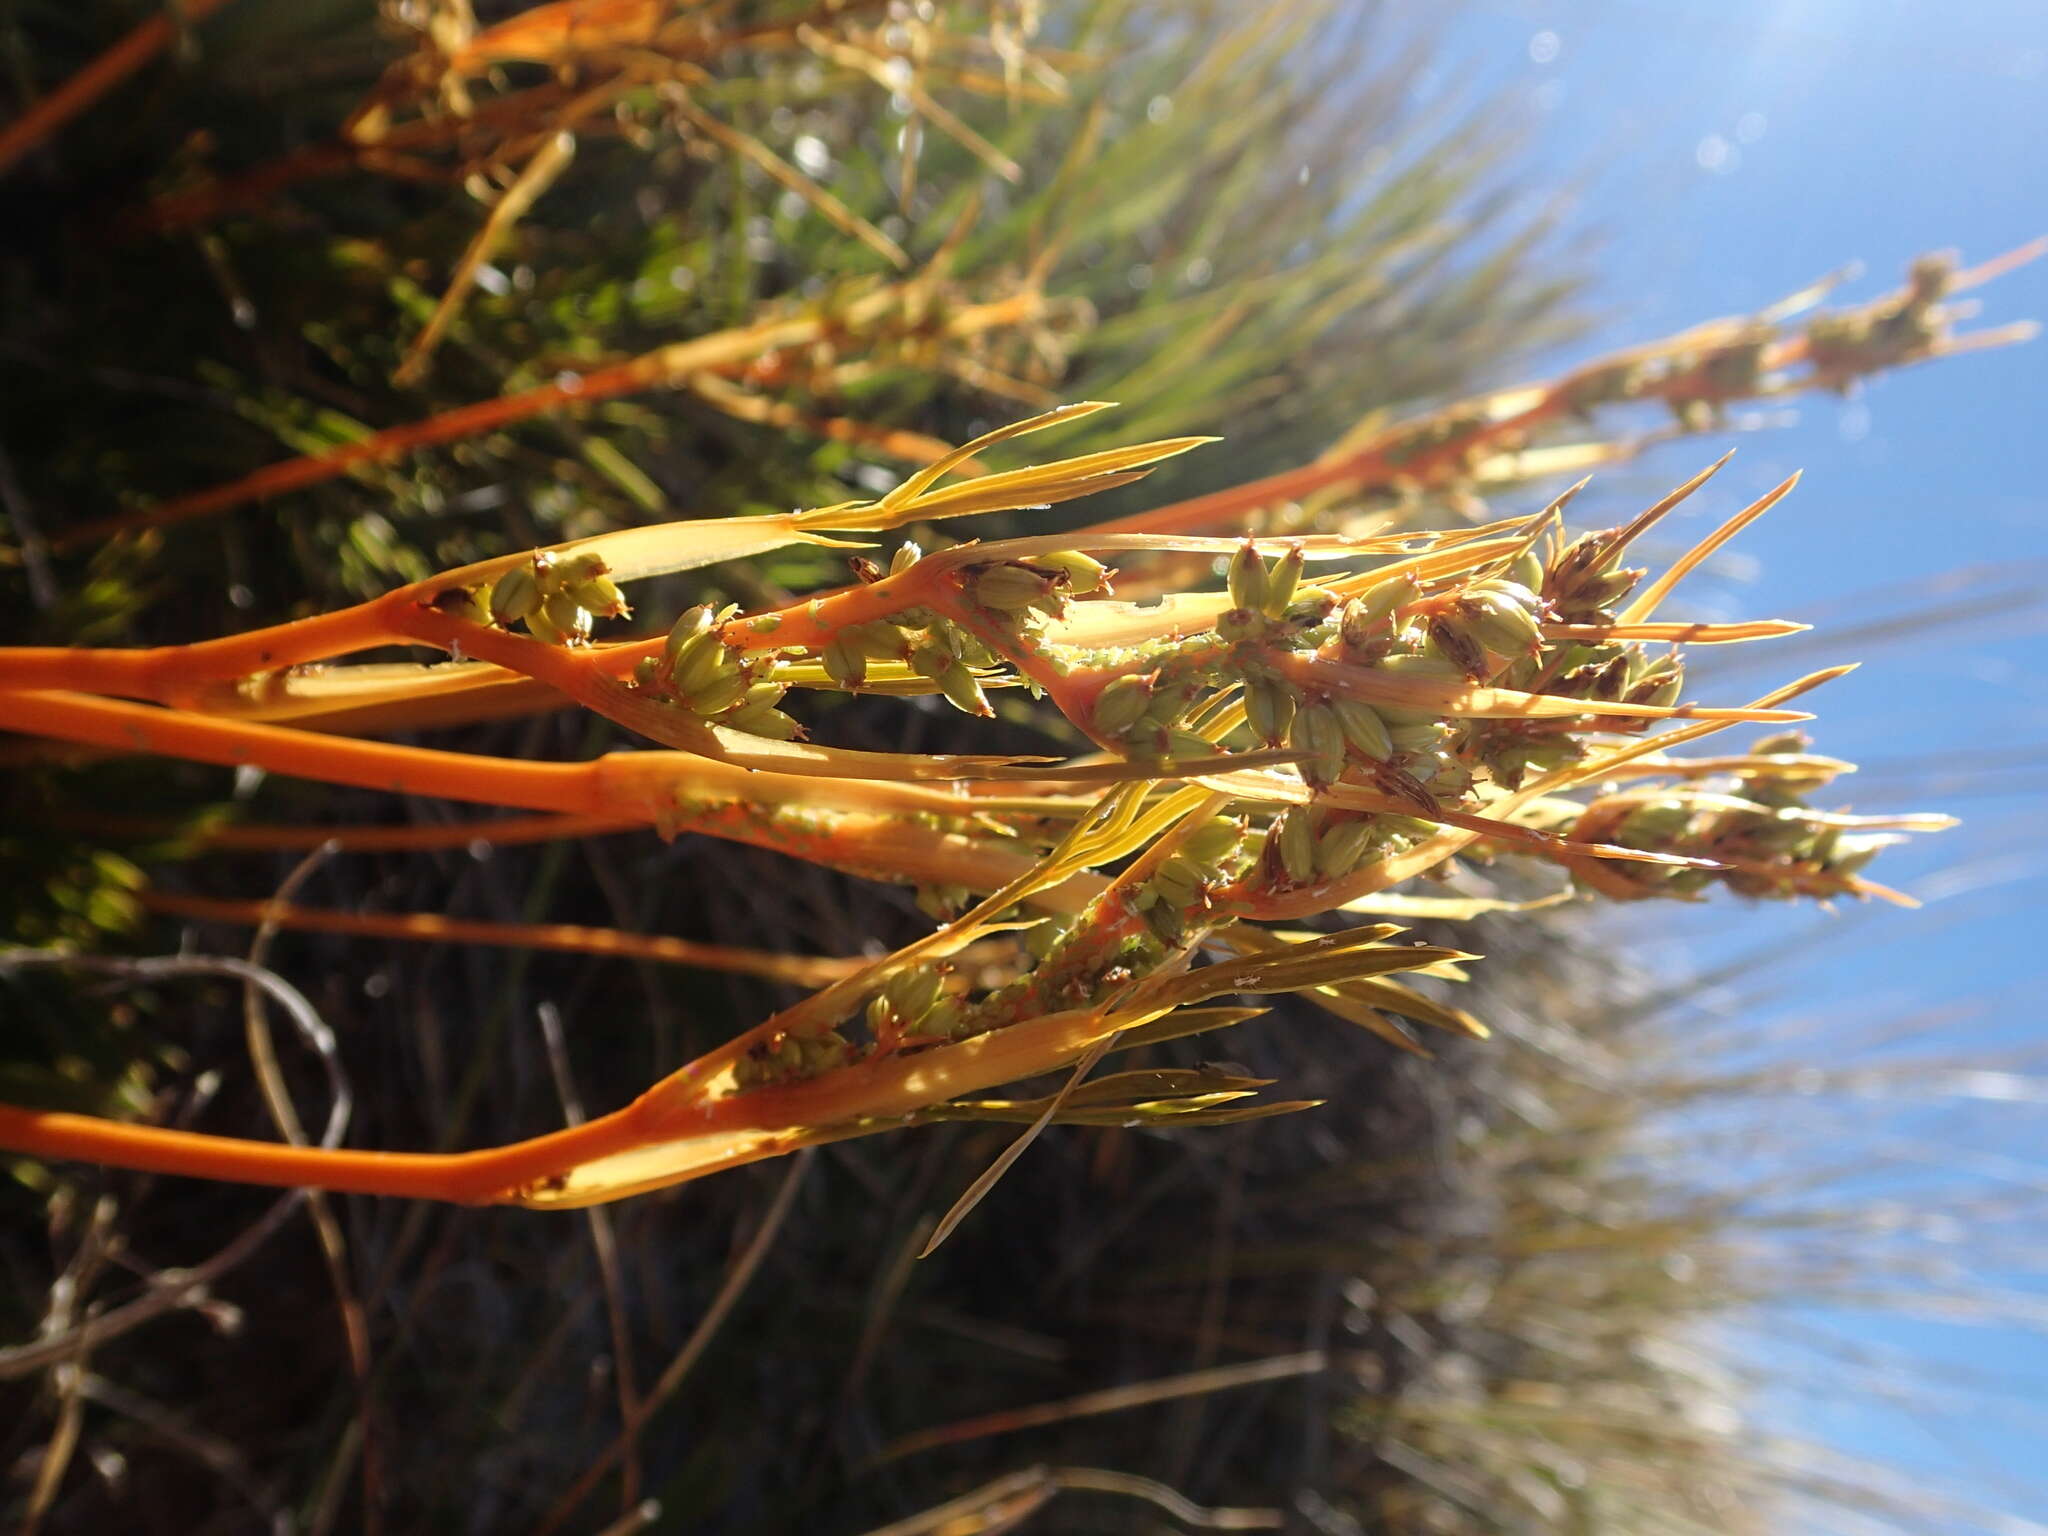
(875, 834)
(169, 673)
(53, 111)
(467, 1178)
(499, 831)
(540, 786)
(571, 938)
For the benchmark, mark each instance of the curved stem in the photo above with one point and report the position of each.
(145, 42)
(466, 1178)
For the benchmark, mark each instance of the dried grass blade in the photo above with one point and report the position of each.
(535, 177)
(979, 1189)
(1646, 603)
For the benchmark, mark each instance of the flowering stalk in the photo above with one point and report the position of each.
(1283, 748)
(1696, 376)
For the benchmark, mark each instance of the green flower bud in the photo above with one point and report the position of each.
(1315, 731)
(904, 558)
(702, 660)
(968, 648)
(515, 595)
(1281, 581)
(1166, 704)
(1311, 606)
(717, 695)
(1011, 588)
(568, 616)
(1186, 746)
(1605, 591)
(1082, 573)
(1041, 939)
(913, 992)
(1784, 834)
(1363, 728)
(584, 565)
(763, 720)
(692, 623)
(1248, 583)
(821, 1053)
(1121, 705)
(1297, 845)
(844, 664)
(1373, 610)
(881, 1017)
(1501, 624)
(1528, 570)
(1235, 624)
(1177, 882)
(544, 629)
(1340, 848)
(879, 641)
(962, 691)
(942, 903)
(601, 595)
(1657, 826)
(1213, 844)
(1780, 743)
(1514, 590)
(944, 1020)
(1269, 708)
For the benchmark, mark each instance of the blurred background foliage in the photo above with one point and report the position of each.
(1474, 1294)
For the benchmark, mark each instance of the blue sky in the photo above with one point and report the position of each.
(1726, 153)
